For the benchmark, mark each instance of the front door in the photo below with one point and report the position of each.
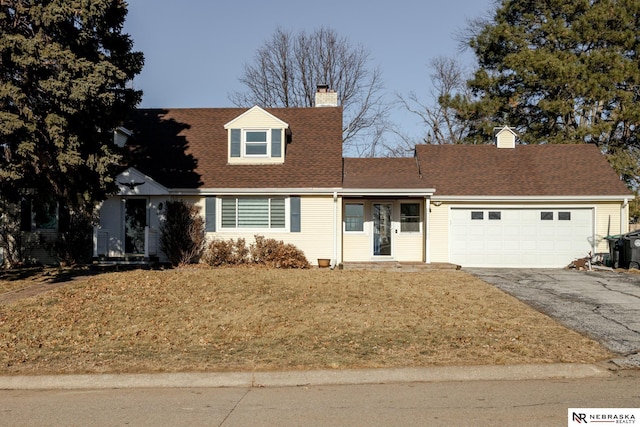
(135, 221)
(382, 229)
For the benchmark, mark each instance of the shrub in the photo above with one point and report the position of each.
(226, 252)
(182, 233)
(269, 252)
(276, 253)
(75, 245)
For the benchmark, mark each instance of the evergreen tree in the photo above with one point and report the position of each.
(64, 69)
(559, 71)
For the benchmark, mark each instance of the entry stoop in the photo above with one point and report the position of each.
(399, 266)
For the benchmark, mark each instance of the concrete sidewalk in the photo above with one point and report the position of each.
(303, 378)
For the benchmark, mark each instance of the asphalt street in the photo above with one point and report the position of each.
(449, 403)
(604, 305)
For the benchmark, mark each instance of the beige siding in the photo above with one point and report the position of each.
(316, 238)
(409, 247)
(357, 246)
(439, 233)
(256, 119)
(608, 223)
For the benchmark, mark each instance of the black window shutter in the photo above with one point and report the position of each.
(64, 219)
(25, 214)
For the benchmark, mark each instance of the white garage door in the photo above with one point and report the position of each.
(520, 237)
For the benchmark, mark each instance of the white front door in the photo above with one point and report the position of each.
(382, 229)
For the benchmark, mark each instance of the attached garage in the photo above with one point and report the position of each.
(520, 237)
(520, 205)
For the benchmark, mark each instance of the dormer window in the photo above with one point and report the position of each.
(256, 143)
(250, 143)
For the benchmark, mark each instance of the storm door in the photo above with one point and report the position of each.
(382, 229)
(135, 221)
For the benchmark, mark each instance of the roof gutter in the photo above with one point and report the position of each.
(252, 191)
(387, 192)
(362, 192)
(612, 198)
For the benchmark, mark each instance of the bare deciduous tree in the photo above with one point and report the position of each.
(442, 126)
(288, 68)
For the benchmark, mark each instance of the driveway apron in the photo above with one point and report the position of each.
(604, 305)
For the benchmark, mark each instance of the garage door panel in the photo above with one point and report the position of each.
(520, 238)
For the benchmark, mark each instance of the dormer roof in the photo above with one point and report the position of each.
(256, 117)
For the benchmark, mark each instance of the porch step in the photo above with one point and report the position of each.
(124, 263)
(399, 266)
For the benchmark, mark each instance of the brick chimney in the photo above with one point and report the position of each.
(326, 97)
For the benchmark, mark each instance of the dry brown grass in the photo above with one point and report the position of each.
(262, 319)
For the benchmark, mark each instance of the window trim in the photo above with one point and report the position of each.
(236, 228)
(269, 151)
(362, 218)
(245, 144)
(418, 217)
(53, 215)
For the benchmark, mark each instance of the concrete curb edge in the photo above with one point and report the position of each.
(302, 378)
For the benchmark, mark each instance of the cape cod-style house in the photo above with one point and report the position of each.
(279, 172)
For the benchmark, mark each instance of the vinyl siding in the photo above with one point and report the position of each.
(439, 233)
(357, 246)
(315, 238)
(608, 223)
(408, 246)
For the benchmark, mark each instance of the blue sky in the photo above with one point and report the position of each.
(195, 49)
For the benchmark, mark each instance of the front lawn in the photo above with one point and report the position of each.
(242, 319)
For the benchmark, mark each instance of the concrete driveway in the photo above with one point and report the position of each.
(604, 305)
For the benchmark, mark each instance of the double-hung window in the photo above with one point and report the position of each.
(253, 213)
(409, 217)
(354, 217)
(256, 143)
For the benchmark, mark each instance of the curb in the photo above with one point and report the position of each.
(303, 378)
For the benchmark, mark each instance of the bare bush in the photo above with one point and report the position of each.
(226, 252)
(276, 253)
(268, 252)
(182, 234)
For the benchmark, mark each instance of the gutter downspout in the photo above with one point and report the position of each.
(427, 243)
(334, 261)
(624, 227)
